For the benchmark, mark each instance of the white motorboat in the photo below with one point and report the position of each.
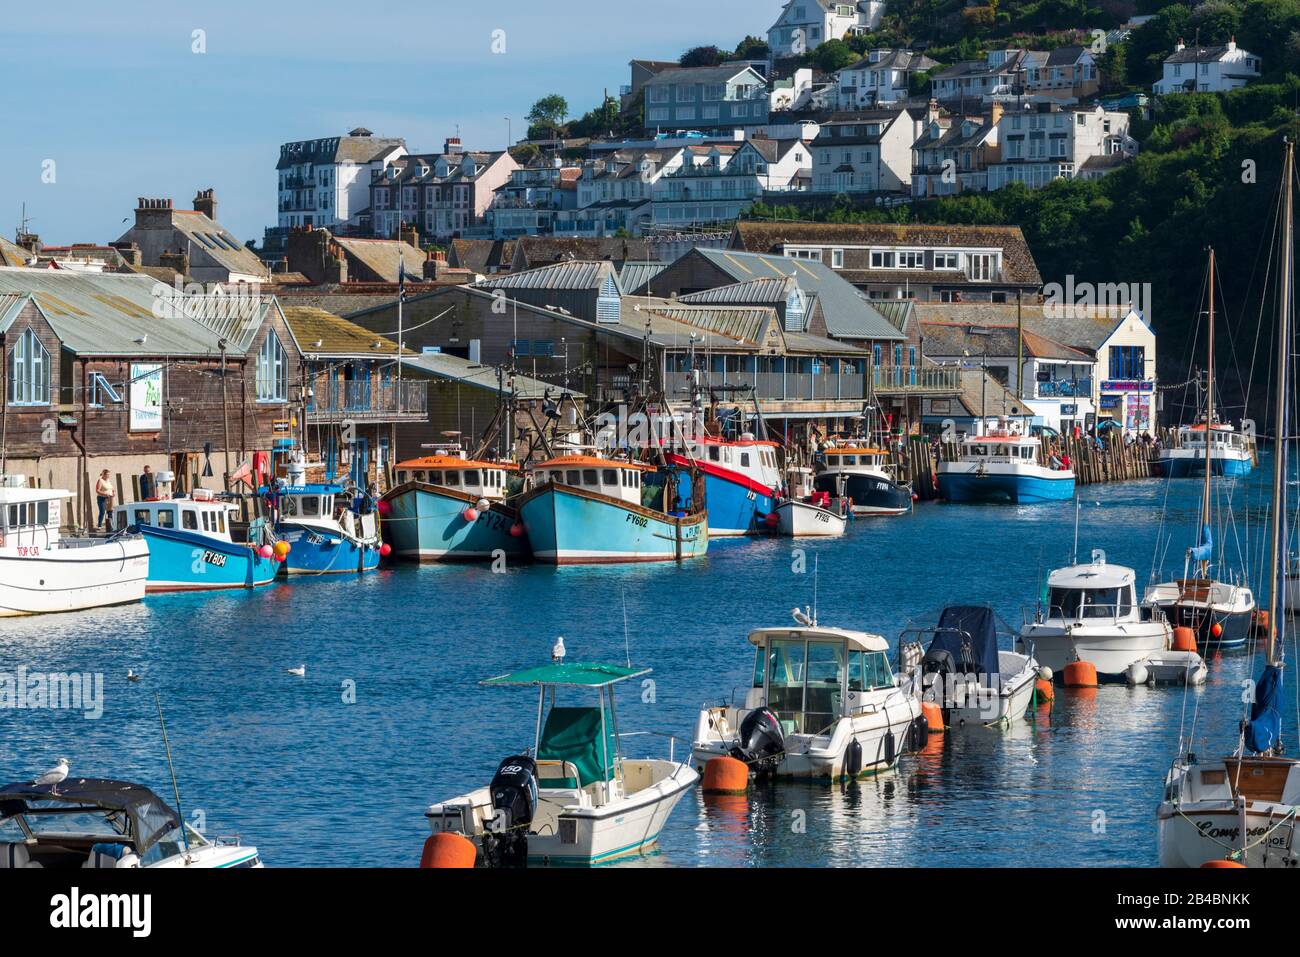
(101, 823)
(824, 704)
(1091, 614)
(40, 571)
(1002, 466)
(963, 670)
(810, 513)
(574, 798)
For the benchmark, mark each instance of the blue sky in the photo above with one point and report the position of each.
(115, 97)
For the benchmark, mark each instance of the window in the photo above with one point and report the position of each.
(911, 259)
(100, 391)
(589, 478)
(29, 371)
(310, 506)
(744, 460)
(946, 261)
(471, 477)
(519, 347)
(573, 477)
(882, 259)
(609, 476)
(272, 371)
(1127, 362)
(166, 518)
(453, 478)
(142, 517)
(837, 259)
(190, 519)
(981, 267)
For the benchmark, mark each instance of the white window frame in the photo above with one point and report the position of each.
(272, 370)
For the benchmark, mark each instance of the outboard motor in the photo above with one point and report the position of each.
(514, 801)
(761, 744)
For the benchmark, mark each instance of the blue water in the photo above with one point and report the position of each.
(287, 764)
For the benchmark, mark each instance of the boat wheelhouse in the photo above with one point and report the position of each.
(574, 797)
(192, 543)
(866, 477)
(1003, 466)
(581, 509)
(41, 571)
(102, 823)
(824, 704)
(330, 529)
(447, 507)
(1230, 452)
(741, 478)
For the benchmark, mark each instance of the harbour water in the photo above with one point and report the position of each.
(335, 768)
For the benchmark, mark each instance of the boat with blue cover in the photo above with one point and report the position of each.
(1003, 466)
(741, 479)
(193, 544)
(447, 507)
(586, 510)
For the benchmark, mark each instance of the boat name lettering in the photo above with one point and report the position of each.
(637, 520)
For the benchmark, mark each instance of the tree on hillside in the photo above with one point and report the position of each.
(1266, 28)
(833, 55)
(751, 48)
(599, 121)
(701, 56)
(548, 115)
(1153, 41)
(1215, 20)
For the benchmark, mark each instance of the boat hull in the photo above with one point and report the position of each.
(737, 505)
(571, 526)
(1191, 835)
(72, 577)
(427, 523)
(316, 551)
(870, 494)
(970, 485)
(1236, 627)
(800, 519)
(1111, 649)
(184, 561)
(1193, 466)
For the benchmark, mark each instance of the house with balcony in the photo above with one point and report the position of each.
(716, 183)
(535, 195)
(1048, 141)
(908, 261)
(1066, 73)
(443, 195)
(730, 96)
(804, 25)
(614, 191)
(953, 153)
(880, 79)
(1207, 69)
(971, 82)
(869, 153)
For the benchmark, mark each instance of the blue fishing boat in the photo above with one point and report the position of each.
(192, 545)
(330, 530)
(586, 510)
(1229, 453)
(450, 508)
(741, 479)
(1003, 466)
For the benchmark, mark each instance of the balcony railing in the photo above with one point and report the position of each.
(1065, 389)
(365, 400)
(776, 386)
(915, 379)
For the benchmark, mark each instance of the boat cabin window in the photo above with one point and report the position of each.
(572, 477)
(471, 477)
(714, 453)
(869, 670)
(557, 476)
(190, 519)
(744, 460)
(609, 476)
(142, 517)
(166, 518)
(804, 680)
(1079, 603)
(451, 477)
(435, 478)
(28, 513)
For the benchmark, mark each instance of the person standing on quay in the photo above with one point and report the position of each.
(104, 495)
(146, 484)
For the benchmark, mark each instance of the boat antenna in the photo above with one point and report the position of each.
(627, 647)
(185, 838)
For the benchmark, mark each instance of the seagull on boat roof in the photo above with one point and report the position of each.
(557, 650)
(131, 675)
(300, 671)
(54, 775)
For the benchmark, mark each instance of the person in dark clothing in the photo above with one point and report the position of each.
(148, 486)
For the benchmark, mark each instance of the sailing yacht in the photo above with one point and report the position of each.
(1220, 612)
(1240, 811)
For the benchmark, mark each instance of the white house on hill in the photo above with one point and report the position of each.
(1207, 69)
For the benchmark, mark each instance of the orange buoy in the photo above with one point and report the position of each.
(448, 850)
(1216, 630)
(1223, 864)
(1081, 674)
(1184, 639)
(1261, 624)
(724, 775)
(1045, 690)
(933, 716)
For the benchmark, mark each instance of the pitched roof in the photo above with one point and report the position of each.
(577, 274)
(956, 338)
(701, 74)
(894, 60)
(208, 235)
(482, 255)
(1082, 328)
(341, 149)
(1205, 54)
(322, 333)
(445, 366)
(766, 289)
(384, 256)
(11, 254)
(1018, 264)
(533, 251)
(635, 276)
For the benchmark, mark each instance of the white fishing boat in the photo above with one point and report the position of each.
(963, 670)
(1229, 453)
(1240, 811)
(808, 512)
(573, 798)
(40, 571)
(824, 704)
(100, 823)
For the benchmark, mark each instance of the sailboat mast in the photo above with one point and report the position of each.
(1209, 419)
(1281, 426)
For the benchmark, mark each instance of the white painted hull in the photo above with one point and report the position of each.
(985, 708)
(800, 519)
(1206, 831)
(1111, 648)
(71, 577)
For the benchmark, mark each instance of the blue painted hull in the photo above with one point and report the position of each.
(312, 552)
(186, 561)
(1015, 489)
(568, 526)
(425, 523)
(735, 507)
(1195, 467)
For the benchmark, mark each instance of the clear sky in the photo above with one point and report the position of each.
(112, 103)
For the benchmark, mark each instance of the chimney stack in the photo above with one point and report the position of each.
(452, 146)
(177, 262)
(205, 202)
(153, 213)
(1180, 46)
(995, 113)
(408, 234)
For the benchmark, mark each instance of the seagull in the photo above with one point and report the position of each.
(141, 340)
(557, 650)
(300, 671)
(54, 775)
(131, 675)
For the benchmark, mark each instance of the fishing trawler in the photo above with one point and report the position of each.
(573, 798)
(41, 571)
(448, 507)
(331, 529)
(823, 704)
(865, 477)
(741, 478)
(1229, 453)
(580, 509)
(1002, 466)
(1240, 810)
(192, 543)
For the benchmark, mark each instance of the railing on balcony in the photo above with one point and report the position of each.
(335, 400)
(904, 379)
(1065, 389)
(776, 386)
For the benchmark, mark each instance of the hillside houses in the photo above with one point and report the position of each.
(882, 78)
(803, 25)
(1207, 69)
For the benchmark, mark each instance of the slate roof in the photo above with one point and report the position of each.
(444, 366)
(383, 256)
(209, 236)
(347, 149)
(482, 255)
(1207, 54)
(955, 338)
(532, 251)
(1080, 328)
(700, 74)
(894, 60)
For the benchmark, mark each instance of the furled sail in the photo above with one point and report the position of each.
(1203, 551)
(1264, 729)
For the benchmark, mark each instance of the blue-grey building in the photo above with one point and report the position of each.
(731, 96)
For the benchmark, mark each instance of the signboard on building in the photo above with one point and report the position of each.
(146, 397)
(1121, 385)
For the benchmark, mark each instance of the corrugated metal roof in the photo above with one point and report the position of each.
(635, 275)
(746, 323)
(580, 274)
(322, 333)
(756, 290)
(445, 366)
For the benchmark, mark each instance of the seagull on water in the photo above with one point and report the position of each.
(54, 775)
(557, 650)
(300, 671)
(131, 675)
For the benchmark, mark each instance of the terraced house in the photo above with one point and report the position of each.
(870, 153)
(441, 194)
